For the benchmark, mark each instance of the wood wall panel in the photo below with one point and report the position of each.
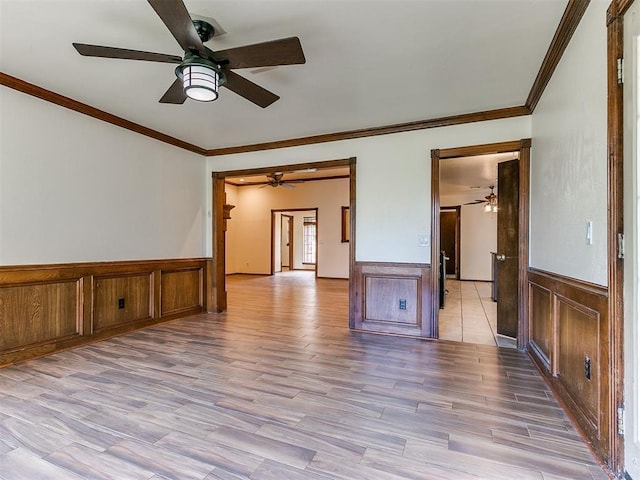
(377, 291)
(575, 326)
(33, 314)
(135, 290)
(181, 291)
(579, 340)
(541, 322)
(47, 308)
(383, 297)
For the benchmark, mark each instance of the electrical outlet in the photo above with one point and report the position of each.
(403, 304)
(121, 303)
(587, 368)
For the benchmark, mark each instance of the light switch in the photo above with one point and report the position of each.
(589, 232)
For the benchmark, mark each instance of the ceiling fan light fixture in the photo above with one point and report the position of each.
(200, 82)
(201, 78)
(492, 202)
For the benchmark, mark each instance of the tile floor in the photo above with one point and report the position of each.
(470, 315)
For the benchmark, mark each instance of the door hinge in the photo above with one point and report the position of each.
(621, 246)
(620, 62)
(621, 421)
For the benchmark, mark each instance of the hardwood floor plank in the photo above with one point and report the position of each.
(278, 387)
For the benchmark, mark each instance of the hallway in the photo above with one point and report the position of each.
(470, 315)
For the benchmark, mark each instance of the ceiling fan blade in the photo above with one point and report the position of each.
(177, 19)
(175, 93)
(286, 51)
(286, 185)
(475, 202)
(249, 90)
(113, 52)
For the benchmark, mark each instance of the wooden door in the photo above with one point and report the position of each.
(449, 220)
(507, 255)
(286, 238)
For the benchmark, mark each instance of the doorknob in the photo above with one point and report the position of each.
(501, 257)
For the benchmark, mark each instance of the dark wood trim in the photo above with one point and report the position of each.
(615, 226)
(248, 172)
(485, 149)
(18, 283)
(66, 102)
(617, 8)
(217, 293)
(11, 275)
(523, 147)
(545, 278)
(568, 24)
(296, 180)
(374, 131)
(354, 308)
(435, 240)
(524, 164)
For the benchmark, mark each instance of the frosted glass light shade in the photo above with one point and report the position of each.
(200, 82)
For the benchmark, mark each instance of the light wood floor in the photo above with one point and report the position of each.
(469, 315)
(279, 388)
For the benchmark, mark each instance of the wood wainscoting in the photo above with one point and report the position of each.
(46, 308)
(392, 298)
(569, 341)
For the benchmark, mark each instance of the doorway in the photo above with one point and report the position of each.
(217, 269)
(286, 242)
(294, 240)
(520, 148)
(450, 239)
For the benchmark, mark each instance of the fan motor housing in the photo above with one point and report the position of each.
(204, 29)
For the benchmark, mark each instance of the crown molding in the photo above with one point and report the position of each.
(66, 102)
(370, 132)
(566, 28)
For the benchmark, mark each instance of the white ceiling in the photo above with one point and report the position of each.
(465, 179)
(369, 63)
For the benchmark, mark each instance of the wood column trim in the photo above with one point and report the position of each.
(352, 244)
(523, 250)
(615, 226)
(216, 286)
(436, 156)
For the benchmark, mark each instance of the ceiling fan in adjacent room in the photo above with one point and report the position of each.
(276, 180)
(201, 71)
(490, 201)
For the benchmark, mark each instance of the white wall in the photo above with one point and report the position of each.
(76, 189)
(393, 181)
(478, 237)
(251, 224)
(569, 158)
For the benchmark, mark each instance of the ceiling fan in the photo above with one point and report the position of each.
(276, 180)
(489, 199)
(201, 71)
